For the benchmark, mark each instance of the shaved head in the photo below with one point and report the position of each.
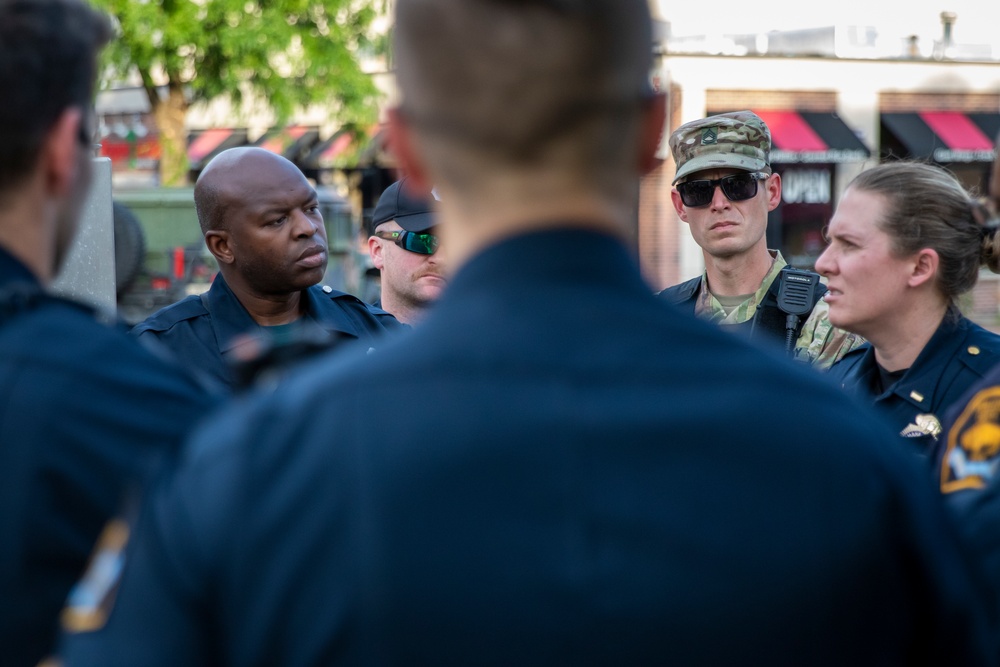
(229, 177)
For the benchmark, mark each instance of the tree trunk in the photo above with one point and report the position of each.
(170, 114)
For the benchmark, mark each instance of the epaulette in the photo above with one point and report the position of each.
(185, 309)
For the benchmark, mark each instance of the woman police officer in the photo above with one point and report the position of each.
(904, 243)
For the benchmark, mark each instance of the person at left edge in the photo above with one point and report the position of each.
(261, 220)
(86, 412)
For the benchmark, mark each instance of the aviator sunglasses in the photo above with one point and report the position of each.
(737, 187)
(420, 243)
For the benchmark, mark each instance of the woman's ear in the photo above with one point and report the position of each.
(925, 267)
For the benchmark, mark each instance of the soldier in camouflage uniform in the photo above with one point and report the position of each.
(724, 189)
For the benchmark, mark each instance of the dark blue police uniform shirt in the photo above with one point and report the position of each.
(967, 470)
(554, 468)
(203, 333)
(957, 356)
(85, 412)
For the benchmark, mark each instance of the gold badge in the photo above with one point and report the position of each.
(923, 425)
(972, 452)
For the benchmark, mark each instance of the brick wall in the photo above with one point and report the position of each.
(659, 234)
(894, 102)
(813, 100)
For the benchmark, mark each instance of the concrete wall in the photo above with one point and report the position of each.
(89, 272)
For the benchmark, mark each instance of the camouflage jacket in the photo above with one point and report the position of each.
(820, 343)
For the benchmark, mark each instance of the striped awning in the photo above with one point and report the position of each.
(203, 145)
(942, 136)
(811, 137)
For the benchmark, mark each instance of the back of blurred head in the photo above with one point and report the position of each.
(48, 51)
(522, 86)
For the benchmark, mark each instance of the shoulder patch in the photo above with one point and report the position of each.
(90, 601)
(972, 450)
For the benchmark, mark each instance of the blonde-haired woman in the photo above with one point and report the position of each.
(904, 244)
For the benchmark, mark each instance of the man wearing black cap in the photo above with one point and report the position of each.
(404, 248)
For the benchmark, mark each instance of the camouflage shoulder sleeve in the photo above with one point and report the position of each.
(822, 344)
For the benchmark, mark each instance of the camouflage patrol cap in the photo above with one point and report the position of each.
(739, 140)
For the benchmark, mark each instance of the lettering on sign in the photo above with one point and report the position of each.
(805, 186)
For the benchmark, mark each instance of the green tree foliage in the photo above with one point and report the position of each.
(285, 54)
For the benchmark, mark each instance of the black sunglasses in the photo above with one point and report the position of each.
(418, 242)
(737, 187)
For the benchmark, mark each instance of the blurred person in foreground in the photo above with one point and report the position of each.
(904, 244)
(968, 453)
(261, 221)
(404, 248)
(516, 481)
(724, 189)
(85, 411)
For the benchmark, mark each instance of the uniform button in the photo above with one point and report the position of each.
(973, 350)
(327, 289)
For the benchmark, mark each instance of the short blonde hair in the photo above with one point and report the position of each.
(519, 82)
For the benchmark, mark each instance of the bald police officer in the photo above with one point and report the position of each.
(517, 481)
(723, 189)
(261, 221)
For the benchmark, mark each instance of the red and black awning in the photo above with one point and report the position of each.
(292, 142)
(811, 137)
(942, 136)
(331, 153)
(203, 145)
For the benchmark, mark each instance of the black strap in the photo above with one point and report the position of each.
(768, 320)
(771, 320)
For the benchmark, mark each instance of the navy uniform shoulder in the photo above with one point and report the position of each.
(350, 302)
(337, 295)
(681, 292)
(981, 349)
(839, 371)
(187, 308)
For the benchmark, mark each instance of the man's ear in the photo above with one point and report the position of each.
(401, 145)
(218, 244)
(773, 185)
(675, 197)
(375, 250)
(925, 267)
(60, 154)
(654, 118)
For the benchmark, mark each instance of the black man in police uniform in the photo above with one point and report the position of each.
(261, 221)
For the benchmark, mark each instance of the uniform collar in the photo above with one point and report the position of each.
(14, 270)
(576, 258)
(919, 384)
(231, 320)
(708, 306)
